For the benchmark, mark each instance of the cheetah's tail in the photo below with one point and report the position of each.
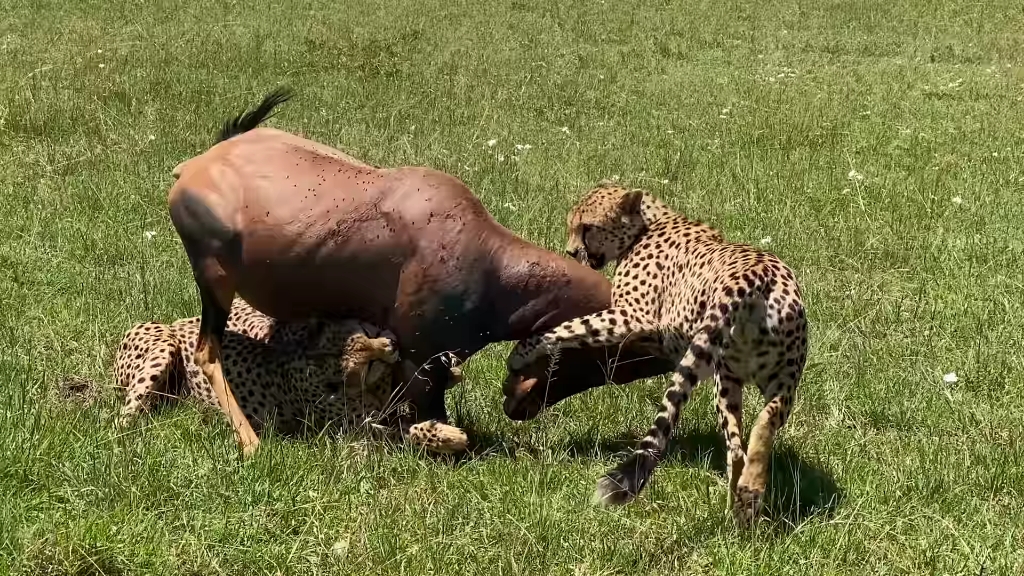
(623, 483)
(433, 436)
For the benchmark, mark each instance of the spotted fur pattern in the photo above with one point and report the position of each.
(298, 377)
(720, 310)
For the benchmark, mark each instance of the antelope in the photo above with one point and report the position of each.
(301, 230)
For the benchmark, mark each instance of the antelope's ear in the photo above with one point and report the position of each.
(630, 202)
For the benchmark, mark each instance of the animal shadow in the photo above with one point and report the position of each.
(797, 489)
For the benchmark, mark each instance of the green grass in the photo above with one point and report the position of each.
(749, 117)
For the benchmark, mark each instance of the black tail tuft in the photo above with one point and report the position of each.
(622, 484)
(252, 118)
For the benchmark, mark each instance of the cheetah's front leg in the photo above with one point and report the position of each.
(611, 326)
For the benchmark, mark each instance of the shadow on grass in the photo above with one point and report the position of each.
(797, 488)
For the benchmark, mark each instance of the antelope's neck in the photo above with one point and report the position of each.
(536, 289)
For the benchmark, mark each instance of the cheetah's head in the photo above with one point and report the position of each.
(604, 224)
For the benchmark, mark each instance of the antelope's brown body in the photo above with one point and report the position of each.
(301, 230)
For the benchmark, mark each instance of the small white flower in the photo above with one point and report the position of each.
(995, 154)
(501, 157)
(564, 129)
(340, 548)
(151, 138)
(958, 200)
(855, 176)
(492, 142)
(766, 240)
(523, 147)
(100, 51)
(149, 234)
(950, 378)
(665, 181)
(103, 65)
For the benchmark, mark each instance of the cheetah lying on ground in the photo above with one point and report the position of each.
(299, 377)
(718, 309)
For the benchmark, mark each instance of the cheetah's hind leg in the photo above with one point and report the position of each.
(146, 367)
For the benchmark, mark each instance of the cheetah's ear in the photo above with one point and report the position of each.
(631, 201)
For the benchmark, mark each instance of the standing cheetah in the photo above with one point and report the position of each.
(298, 376)
(719, 309)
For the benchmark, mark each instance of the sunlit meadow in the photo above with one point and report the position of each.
(873, 145)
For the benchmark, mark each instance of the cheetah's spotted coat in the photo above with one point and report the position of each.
(297, 376)
(722, 310)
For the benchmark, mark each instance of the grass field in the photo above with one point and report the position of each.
(874, 145)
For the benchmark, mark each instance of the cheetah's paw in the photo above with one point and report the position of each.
(746, 506)
(386, 350)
